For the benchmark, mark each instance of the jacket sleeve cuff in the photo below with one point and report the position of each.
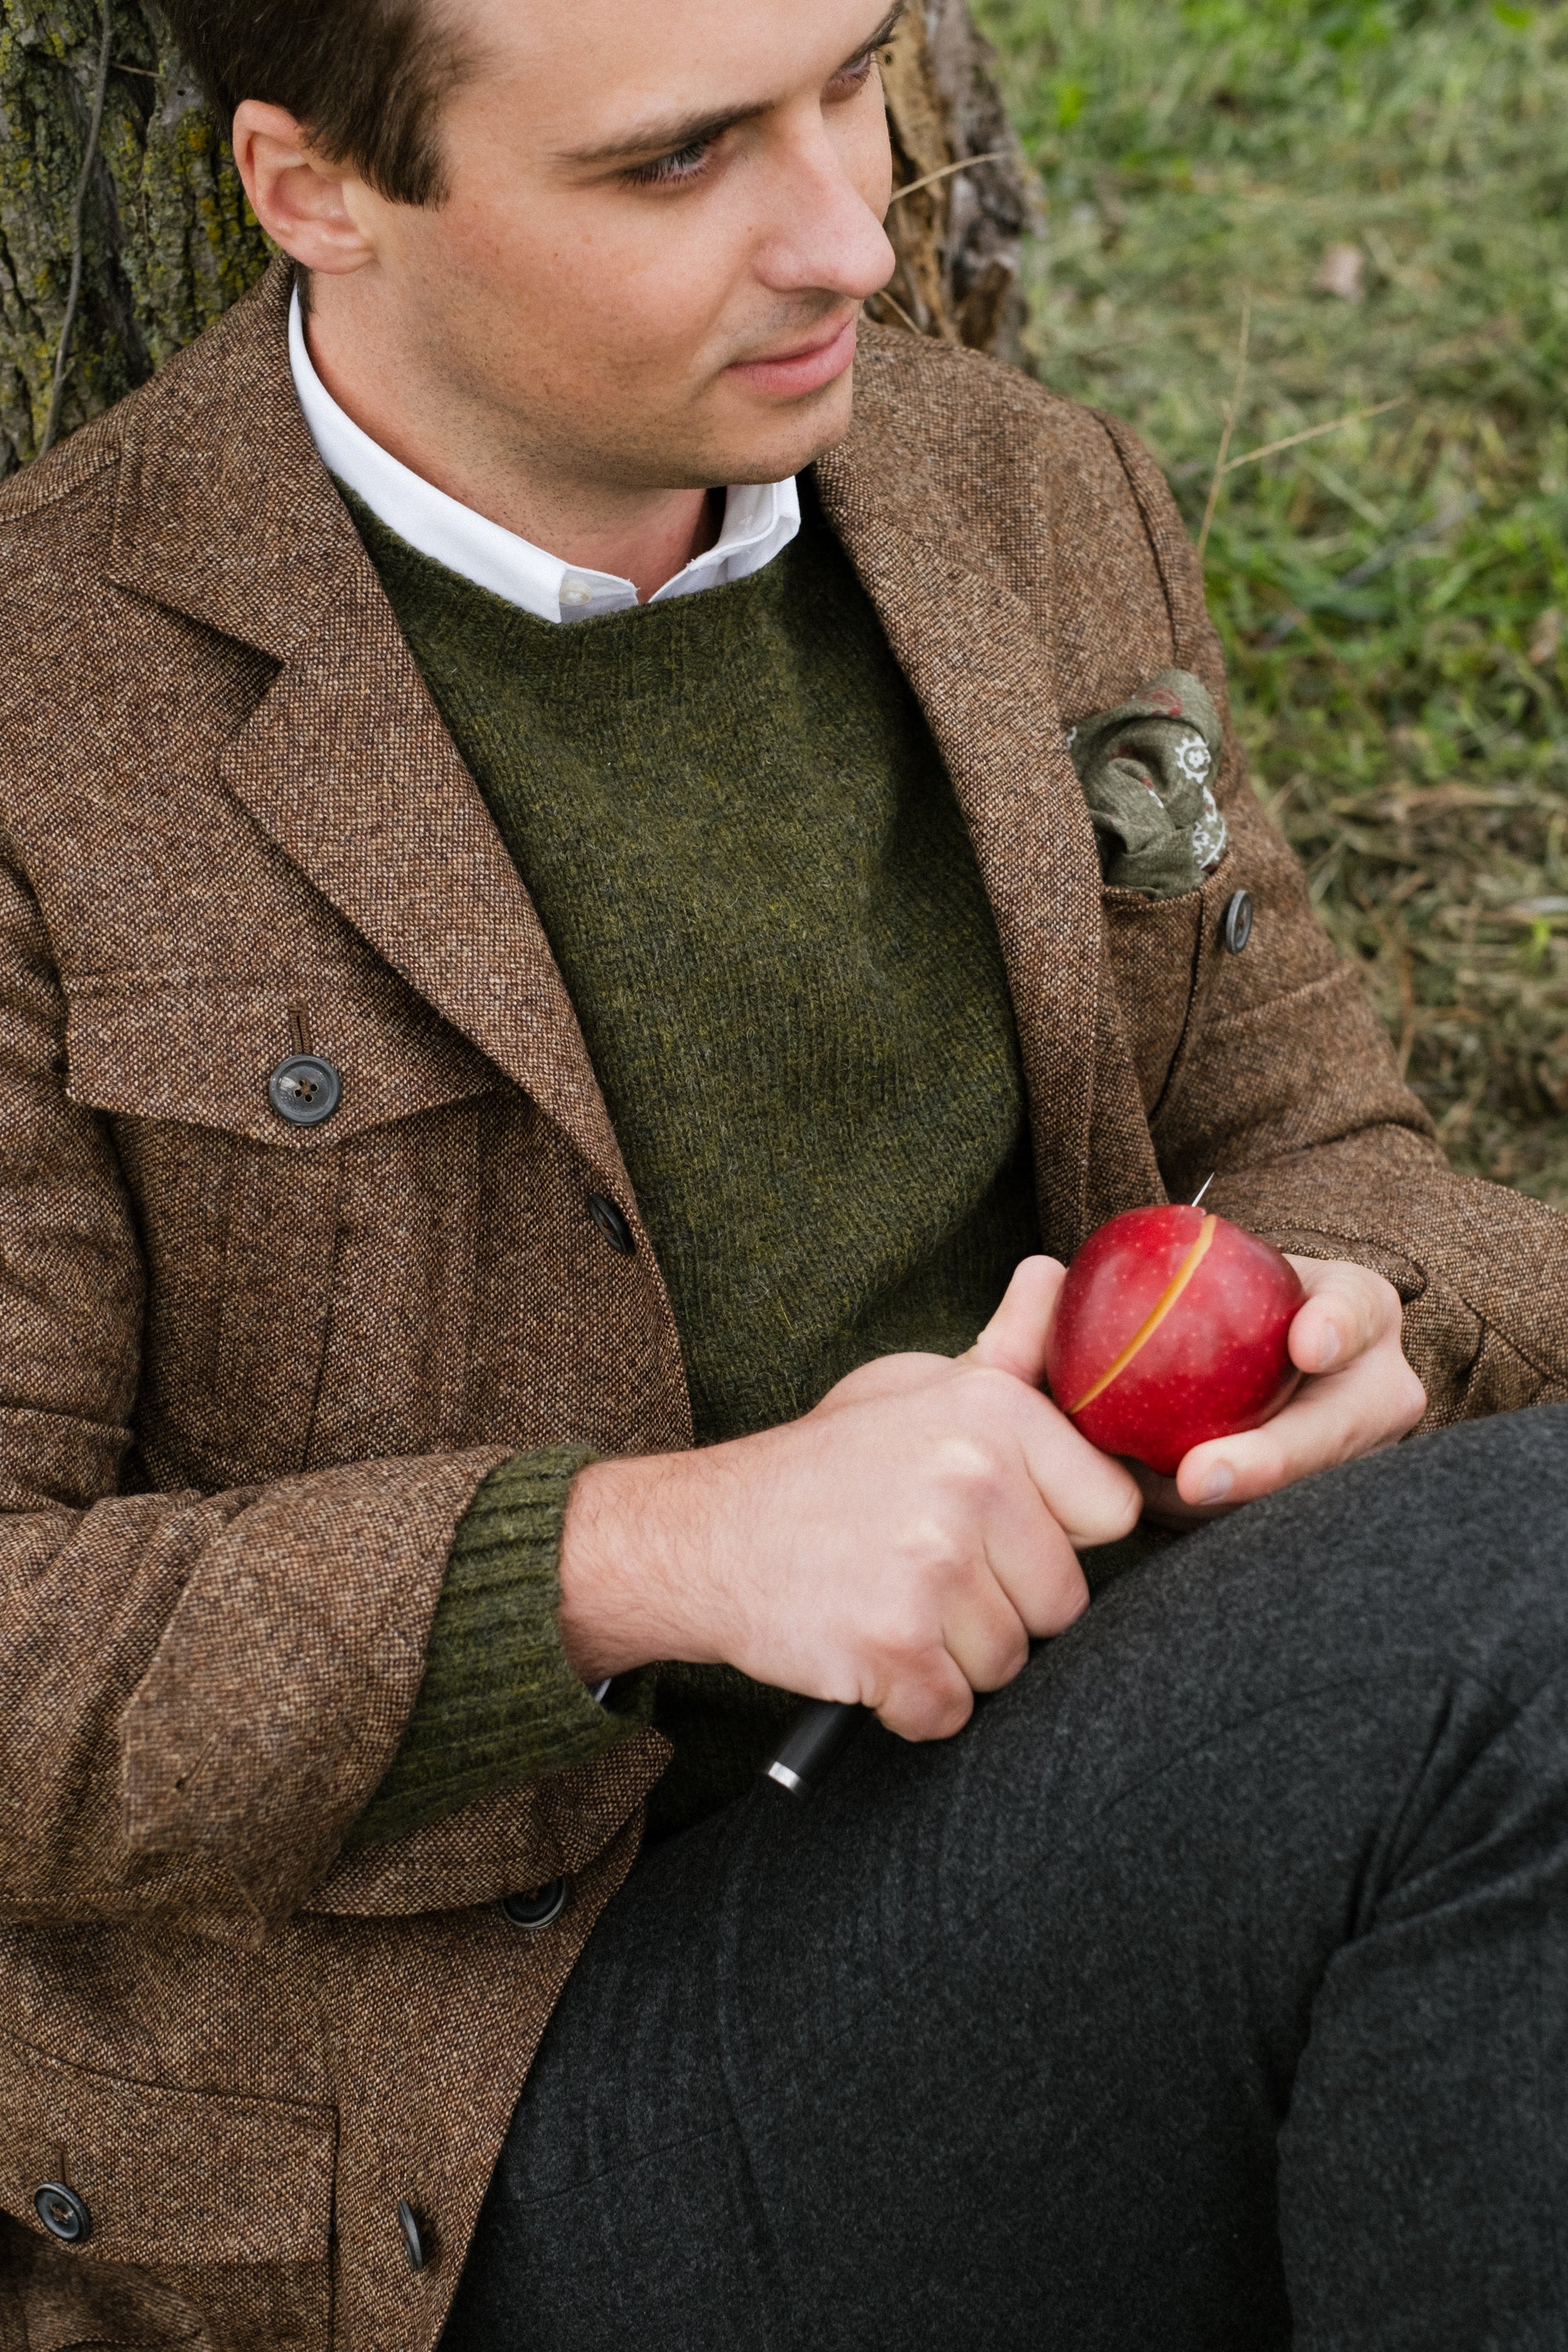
(498, 1704)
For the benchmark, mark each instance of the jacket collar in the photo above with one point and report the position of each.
(224, 513)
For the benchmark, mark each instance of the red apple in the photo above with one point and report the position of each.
(1172, 1328)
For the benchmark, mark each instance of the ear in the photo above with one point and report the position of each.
(308, 205)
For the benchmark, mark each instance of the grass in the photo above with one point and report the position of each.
(1393, 594)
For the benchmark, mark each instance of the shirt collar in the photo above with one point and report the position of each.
(760, 520)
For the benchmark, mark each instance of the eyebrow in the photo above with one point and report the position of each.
(667, 138)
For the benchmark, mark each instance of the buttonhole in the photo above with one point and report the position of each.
(300, 1030)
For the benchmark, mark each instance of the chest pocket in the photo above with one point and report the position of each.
(272, 1244)
(1161, 951)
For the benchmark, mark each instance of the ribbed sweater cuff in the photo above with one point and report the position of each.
(498, 1704)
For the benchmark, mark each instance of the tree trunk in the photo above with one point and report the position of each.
(958, 235)
(158, 215)
(118, 245)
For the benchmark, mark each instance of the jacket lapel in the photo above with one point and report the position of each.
(227, 514)
(978, 660)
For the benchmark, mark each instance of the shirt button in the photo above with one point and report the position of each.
(576, 592)
(63, 2213)
(1238, 920)
(539, 1909)
(304, 1089)
(611, 1223)
(409, 2232)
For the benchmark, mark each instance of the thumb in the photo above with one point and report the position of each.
(1015, 1339)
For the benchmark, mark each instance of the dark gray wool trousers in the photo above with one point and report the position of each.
(1209, 1991)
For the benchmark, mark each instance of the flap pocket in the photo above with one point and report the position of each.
(165, 2175)
(199, 1049)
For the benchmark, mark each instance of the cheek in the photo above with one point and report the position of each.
(613, 287)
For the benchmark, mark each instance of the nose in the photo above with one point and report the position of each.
(821, 233)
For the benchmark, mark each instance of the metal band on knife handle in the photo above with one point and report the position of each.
(811, 1743)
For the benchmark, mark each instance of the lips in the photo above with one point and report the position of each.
(805, 367)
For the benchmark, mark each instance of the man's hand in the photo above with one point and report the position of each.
(1359, 1396)
(903, 1543)
(900, 1545)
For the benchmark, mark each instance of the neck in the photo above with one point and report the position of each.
(641, 535)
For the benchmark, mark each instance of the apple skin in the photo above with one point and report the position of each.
(1218, 1361)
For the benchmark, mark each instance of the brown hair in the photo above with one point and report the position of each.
(366, 78)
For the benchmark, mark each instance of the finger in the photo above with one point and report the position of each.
(930, 1698)
(1348, 1311)
(1035, 1565)
(1026, 1584)
(1091, 1497)
(1015, 1339)
(1022, 1582)
(1162, 1501)
(1369, 1404)
(985, 1637)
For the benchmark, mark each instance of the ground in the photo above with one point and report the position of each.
(1376, 199)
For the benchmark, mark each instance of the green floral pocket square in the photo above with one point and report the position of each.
(1145, 770)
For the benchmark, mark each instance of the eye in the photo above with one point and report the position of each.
(667, 171)
(853, 76)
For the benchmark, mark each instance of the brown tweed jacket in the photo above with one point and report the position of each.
(251, 1373)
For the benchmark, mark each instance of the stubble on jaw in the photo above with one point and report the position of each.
(652, 450)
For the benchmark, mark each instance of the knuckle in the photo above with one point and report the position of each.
(1271, 1466)
(993, 1395)
(933, 1555)
(896, 1649)
(969, 1472)
(1008, 1656)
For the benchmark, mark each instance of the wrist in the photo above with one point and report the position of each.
(630, 1541)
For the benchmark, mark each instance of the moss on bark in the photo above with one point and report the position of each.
(167, 238)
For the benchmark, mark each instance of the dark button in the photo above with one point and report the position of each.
(304, 1089)
(539, 1909)
(611, 1223)
(408, 2230)
(1238, 920)
(63, 2213)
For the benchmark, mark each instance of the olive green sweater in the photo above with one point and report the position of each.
(748, 858)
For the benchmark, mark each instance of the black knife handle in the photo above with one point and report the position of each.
(811, 1743)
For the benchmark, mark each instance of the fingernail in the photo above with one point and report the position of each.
(1327, 1349)
(1218, 1484)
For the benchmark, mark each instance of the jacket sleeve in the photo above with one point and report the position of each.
(199, 1693)
(1286, 1090)
(498, 1704)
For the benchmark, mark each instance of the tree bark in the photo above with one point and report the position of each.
(148, 221)
(959, 235)
(166, 239)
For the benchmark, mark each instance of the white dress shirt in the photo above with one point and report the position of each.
(760, 520)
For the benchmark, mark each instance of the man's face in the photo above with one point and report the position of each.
(662, 219)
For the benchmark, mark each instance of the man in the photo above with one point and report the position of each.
(514, 960)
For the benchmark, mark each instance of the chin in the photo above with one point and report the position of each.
(766, 447)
